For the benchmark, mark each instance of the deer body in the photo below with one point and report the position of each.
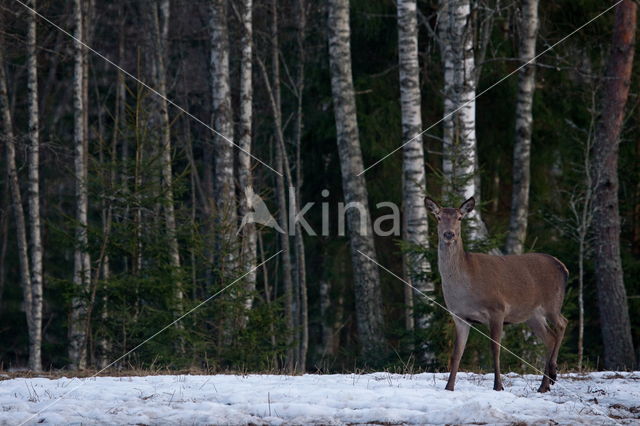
(475, 284)
(498, 290)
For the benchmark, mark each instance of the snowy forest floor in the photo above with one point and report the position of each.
(377, 398)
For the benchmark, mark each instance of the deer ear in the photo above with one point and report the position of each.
(467, 206)
(433, 207)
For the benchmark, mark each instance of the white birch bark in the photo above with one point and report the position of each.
(524, 120)
(222, 122)
(415, 224)
(81, 264)
(449, 95)
(16, 196)
(460, 145)
(245, 178)
(287, 268)
(35, 244)
(465, 167)
(365, 273)
(160, 16)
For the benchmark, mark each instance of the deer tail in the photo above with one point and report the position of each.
(563, 270)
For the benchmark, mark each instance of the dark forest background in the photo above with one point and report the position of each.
(126, 186)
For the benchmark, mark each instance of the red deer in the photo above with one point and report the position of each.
(498, 290)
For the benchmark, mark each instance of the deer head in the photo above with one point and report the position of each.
(450, 219)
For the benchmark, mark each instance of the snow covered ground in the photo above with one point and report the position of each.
(604, 397)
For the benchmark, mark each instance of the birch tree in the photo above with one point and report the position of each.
(285, 244)
(528, 26)
(365, 273)
(459, 164)
(16, 201)
(448, 93)
(293, 167)
(249, 245)
(82, 261)
(301, 269)
(35, 244)
(415, 224)
(612, 295)
(282, 166)
(160, 14)
(224, 191)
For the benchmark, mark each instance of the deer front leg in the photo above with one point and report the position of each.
(495, 330)
(462, 333)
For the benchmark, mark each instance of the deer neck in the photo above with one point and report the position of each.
(451, 261)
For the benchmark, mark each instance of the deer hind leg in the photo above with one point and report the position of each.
(462, 333)
(559, 325)
(539, 326)
(495, 330)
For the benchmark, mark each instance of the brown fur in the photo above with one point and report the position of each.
(498, 290)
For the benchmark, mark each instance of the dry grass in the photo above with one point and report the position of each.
(137, 372)
(131, 371)
(56, 374)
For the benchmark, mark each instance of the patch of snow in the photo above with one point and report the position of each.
(604, 397)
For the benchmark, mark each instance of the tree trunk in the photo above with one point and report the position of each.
(223, 124)
(581, 255)
(326, 347)
(35, 309)
(303, 315)
(329, 310)
(104, 345)
(137, 260)
(4, 236)
(82, 262)
(245, 180)
(282, 166)
(16, 196)
(635, 235)
(417, 269)
(524, 122)
(635, 238)
(584, 219)
(298, 283)
(368, 301)
(612, 296)
(267, 289)
(459, 135)
(301, 268)
(287, 269)
(449, 95)
(88, 31)
(160, 13)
